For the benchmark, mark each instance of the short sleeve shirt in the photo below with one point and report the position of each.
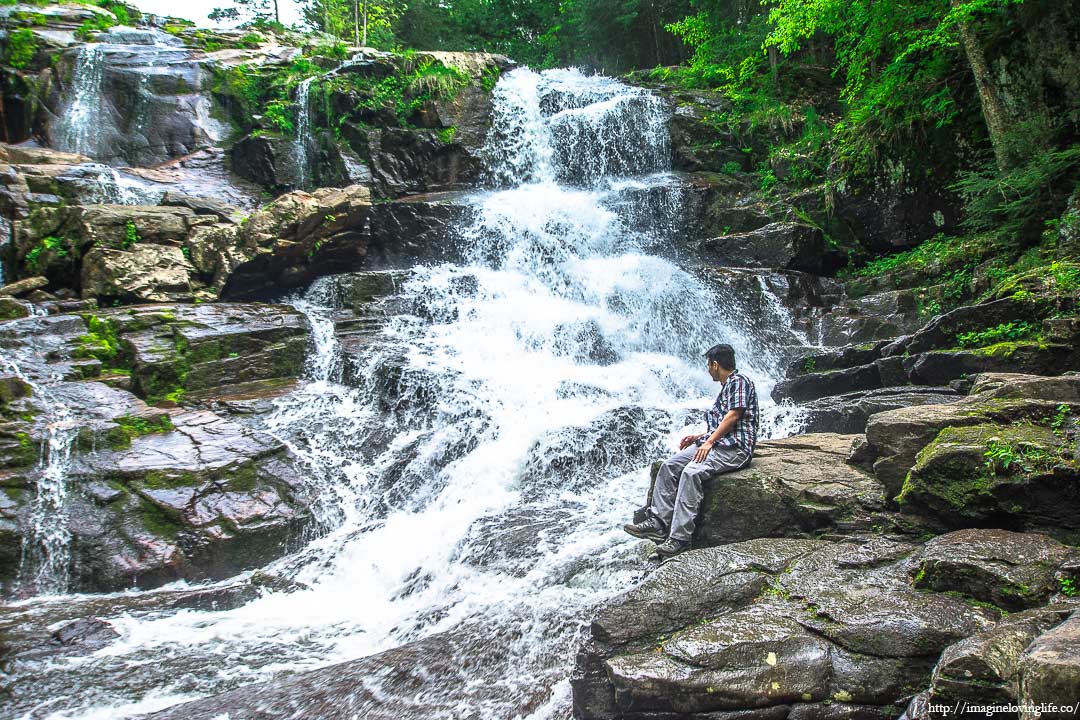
(737, 392)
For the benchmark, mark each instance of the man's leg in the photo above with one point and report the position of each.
(666, 486)
(690, 491)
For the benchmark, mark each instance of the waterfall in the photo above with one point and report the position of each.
(45, 564)
(302, 145)
(5, 244)
(477, 439)
(78, 122)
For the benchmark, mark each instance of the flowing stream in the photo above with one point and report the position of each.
(477, 452)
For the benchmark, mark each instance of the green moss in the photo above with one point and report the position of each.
(100, 342)
(243, 478)
(27, 452)
(963, 464)
(490, 78)
(157, 520)
(48, 248)
(131, 235)
(128, 427)
(955, 481)
(446, 135)
(92, 26)
(203, 352)
(1008, 348)
(21, 47)
(157, 480)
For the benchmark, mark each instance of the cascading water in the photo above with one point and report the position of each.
(476, 455)
(46, 555)
(78, 123)
(303, 142)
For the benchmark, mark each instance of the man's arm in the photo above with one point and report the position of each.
(726, 425)
(690, 440)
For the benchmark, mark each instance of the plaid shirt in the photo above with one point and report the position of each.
(737, 392)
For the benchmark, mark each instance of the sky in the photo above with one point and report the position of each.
(197, 10)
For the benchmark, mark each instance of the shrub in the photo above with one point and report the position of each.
(999, 333)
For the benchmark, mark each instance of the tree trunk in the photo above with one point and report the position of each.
(277, 18)
(654, 20)
(992, 109)
(364, 41)
(356, 22)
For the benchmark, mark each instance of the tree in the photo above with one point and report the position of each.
(897, 57)
(247, 10)
(361, 22)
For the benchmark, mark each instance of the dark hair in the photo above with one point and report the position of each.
(723, 354)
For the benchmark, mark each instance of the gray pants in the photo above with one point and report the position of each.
(677, 492)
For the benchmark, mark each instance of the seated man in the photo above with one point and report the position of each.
(727, 445)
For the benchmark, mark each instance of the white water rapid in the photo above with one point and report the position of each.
(476, 457)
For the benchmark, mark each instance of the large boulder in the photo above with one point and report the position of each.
(776, 496)
(1000, 455)
(295, 239)
(1008, 569)
(783, 244)
(985, 668)
(407, 161)
(143, 273)
(1050, 669)
(849, 412)
(265, 160)
(175, 350)
(113, 103)
(205, 498)
(1019, 476)
(421, 228)
(53, 242)
(770, 628)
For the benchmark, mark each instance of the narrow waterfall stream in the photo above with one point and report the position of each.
(45, 565)
(78, 124)
(476, 458)
(302, 145)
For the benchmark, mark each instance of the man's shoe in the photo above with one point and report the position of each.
(647, 529)
(671, 547)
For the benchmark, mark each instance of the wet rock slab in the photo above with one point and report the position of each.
(154, 493)
(789, 628)
(204, 500)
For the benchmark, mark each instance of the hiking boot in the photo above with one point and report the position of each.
(648, 529)
(671, 547)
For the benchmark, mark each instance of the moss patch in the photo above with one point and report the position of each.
(129, 427)
(101, 342)
(965, 464)
(158, 521)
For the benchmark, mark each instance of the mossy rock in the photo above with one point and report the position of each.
(1018, 476)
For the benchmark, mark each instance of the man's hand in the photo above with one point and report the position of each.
(703, 451)
(688, 441)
